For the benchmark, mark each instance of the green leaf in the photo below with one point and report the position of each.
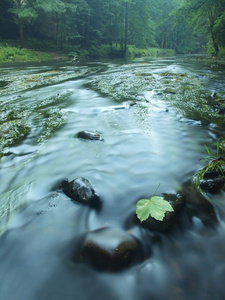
(156, 207)
(159, 207)
(143, 209)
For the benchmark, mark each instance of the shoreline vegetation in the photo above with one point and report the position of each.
(11, 53)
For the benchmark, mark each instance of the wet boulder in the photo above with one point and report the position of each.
(213, 186)
(177, 202)
(109, 249)
(89, 135)
(198, 206)
(81, 190)
(212, 182)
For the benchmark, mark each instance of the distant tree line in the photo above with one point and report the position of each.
(183, 25)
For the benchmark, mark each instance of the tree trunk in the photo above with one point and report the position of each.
(162, 39)
(216, 48)
(126, 28)
(211, 23)
(22, 40)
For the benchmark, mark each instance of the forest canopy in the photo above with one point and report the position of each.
(187, 26)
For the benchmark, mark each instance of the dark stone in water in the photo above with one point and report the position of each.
(89, 135)
(177, 202)
(110, 250)
(211, 175)
(198, 206)
(213, 186)
(3, 83)
(81, 190)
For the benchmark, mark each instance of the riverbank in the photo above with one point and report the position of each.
(14, 53)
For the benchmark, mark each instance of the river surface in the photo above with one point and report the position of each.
(142, 147)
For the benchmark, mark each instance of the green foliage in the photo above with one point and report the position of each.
(184, 26)
(221, 53)
(207, 19)
(8, 54)
(215, 163)
(210, 156)
(156, 207)
(132, 51)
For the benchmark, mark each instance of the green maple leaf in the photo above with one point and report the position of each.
(156, 207)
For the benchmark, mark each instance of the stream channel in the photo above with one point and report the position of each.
(144, 143)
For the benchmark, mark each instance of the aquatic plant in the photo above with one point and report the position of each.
(156, 207)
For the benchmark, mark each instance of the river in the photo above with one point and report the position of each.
(143, 145)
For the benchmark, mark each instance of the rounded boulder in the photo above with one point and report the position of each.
(81, 190)
(110, 250)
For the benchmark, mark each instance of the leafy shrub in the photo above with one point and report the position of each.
(153, 52)
(9, 54)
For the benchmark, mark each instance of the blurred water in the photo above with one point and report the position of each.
(143, 146)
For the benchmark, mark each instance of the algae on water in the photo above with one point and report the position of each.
(185, 92)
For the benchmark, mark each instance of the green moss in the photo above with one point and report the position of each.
(12, 133)
(52, 120)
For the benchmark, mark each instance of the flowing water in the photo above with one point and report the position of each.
(142, 147)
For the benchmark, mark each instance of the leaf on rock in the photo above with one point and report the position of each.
(156, 207)
(143, 209)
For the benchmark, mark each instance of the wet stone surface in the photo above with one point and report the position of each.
(212, 186)
(177, 202)
(110, 249)
(81, 190)
(198, 206)
(89, 135)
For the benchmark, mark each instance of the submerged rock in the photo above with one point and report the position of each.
(198, 206)
(81, 190)
(89, 135)
(110, 249)
(177, 202)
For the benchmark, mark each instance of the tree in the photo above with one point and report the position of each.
(25, 11)
(205, 16)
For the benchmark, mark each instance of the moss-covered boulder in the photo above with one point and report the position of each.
(211, 178)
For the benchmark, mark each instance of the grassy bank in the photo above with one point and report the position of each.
(103, 51)
(132, 51)
(12, 53)
(15, 54)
